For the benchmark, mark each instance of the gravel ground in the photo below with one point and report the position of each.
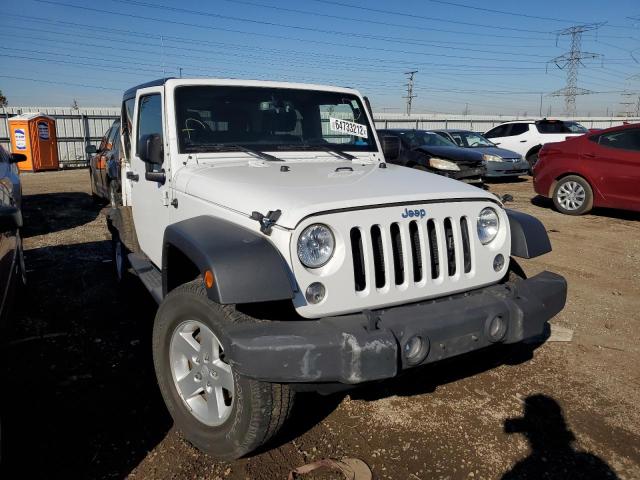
(79, 397)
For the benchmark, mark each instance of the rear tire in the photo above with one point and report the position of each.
(573, 195)
(120, 258)
(246, 417)
(115, 193)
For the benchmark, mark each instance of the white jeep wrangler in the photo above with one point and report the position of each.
(286, 254)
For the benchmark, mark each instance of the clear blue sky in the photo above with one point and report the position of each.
(491, 55)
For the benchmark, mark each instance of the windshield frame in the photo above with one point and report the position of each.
(286, 145)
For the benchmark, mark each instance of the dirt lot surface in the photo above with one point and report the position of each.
(79, 397)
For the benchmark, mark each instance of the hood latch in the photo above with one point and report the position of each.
(266, 221)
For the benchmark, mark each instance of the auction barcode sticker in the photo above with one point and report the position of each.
(350, 128)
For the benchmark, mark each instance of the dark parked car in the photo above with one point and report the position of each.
(500, 162)
(104, 166)
(599, 169)
(12, 272)
(426, 150)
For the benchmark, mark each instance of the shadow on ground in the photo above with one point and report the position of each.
(54, 212)
(553, 455)
(543, 202)
(79, 395)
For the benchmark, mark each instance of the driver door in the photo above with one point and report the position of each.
(149, 198)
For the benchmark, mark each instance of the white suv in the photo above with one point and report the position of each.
(528, 136)
(286, 254)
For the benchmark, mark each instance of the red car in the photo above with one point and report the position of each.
(598, 169)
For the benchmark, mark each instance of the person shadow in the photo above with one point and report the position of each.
(553, 455)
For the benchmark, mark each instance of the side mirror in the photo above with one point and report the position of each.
(10, 219)
(390, 147)
(150, 149)
(90, 149)
(17, 157)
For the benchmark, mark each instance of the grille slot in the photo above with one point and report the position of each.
(433, 249)
(378, 256)
(416, 251)
(357, 250)
(451, 246)
(396, 247)
(466, 247)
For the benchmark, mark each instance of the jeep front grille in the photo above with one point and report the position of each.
(413, 252)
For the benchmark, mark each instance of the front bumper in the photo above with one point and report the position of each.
(368, 346)
(507, 169)
(466, 174)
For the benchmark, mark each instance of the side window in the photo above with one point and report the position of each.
(150, 116)
(496, 132)
(113, 135)
(127, 117)
(105, 139)
(624, 140)
(518, 129)
(4, 157)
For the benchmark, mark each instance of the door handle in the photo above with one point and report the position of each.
(134, 177)
(589, 155)
(496, 143)
(523, 141)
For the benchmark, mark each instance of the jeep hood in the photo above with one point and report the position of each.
(303, 188)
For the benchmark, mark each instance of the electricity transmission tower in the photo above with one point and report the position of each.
(629, 104)
(410, 95)
(570, 62)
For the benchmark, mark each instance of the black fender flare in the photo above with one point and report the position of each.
(246, 266)
(529, 237)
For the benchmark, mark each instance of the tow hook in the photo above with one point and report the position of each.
(266, 221)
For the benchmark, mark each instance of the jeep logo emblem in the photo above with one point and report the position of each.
(414, 213)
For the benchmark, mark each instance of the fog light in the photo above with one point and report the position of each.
(416, 349)
(315, 293)
(496, 328)
(498, 262)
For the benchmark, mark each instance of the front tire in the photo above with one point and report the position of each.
(532, 158)
(573, 195)
(218, 410)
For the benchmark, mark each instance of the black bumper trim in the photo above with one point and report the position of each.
(368, 346)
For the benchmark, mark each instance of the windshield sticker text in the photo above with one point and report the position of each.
(350, 128)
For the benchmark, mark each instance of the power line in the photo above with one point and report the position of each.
(359, 19)
(502, 12)
(208, 27)
(423, 17)
(226, 45)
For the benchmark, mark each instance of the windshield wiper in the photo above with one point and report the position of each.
(220, 147)
(320, 146)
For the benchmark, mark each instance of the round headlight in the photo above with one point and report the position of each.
(488, 225)
(315, 245)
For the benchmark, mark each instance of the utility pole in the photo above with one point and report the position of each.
(570, 62)
(410, 95)
(540, 114)
(180, 72)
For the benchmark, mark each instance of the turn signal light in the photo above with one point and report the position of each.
(208, 279)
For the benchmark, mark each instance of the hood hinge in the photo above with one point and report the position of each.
(266, 221)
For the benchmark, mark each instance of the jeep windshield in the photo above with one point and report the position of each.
(228, 118)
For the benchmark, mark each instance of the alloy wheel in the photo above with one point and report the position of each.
(201, 377)
(571, 195)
